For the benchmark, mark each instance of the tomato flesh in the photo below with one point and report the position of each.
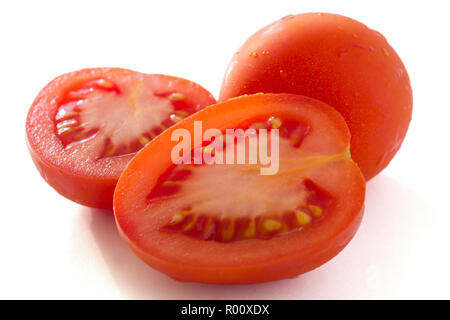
(211, 212)
(85, 126)
(227, 223)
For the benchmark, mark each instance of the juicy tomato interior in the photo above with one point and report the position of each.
(119, 120)
(85, 126)
(227, 223)
(211, 212)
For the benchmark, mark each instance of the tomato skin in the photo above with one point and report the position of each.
(240, 264)
(288, 267)
(83, 179)
(87, 191)
(337, 60)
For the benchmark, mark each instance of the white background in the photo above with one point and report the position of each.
(53, 248)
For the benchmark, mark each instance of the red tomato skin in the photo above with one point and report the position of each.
(90, 184)
(87, 191)
(337, 60)
(136, 179)
(289, 267)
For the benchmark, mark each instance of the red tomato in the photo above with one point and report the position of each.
(227, 223)
(336, 60)
(85, 126)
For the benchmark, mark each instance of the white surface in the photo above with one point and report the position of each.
(53, 248)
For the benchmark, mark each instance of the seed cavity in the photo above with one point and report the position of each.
(228, 231)
(251, 229)
(184, 167)
(176, 219)
(275, 122)
(181, 113)
(105, 83)
(170, 184)
(81, 93)
(271, 225)
(175, 118)
(190, 224)
(82, 115)
(302, 217)
(210, 227)
(316, 210)
(111, 151)
(306, 206)
(176, 96)
(143, 140)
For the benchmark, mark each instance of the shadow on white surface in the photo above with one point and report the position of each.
(380, 262)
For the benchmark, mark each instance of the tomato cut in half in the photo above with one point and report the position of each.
(196, 219)
(84, 126)
(339, 61)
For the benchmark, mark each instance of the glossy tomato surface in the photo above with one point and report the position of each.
(337, 60)
(228, 223)
(84, 126)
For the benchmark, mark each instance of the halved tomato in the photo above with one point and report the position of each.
(85, 126)
(228, 223)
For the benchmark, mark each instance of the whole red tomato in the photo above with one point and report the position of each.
(337, 60)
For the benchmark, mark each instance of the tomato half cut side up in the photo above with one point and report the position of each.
(228, 223)
(85, 126)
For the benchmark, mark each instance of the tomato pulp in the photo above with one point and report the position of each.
(337, 60)
(227, 223)
(84, 126)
